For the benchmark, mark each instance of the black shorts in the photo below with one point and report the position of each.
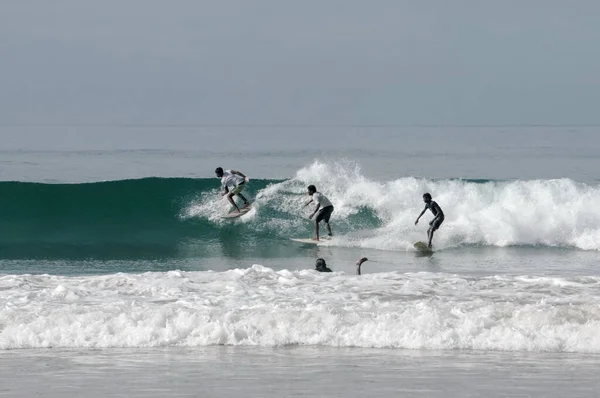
(324, 214)
(436, 223)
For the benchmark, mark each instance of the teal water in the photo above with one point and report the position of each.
(131, 219)
(141, 219)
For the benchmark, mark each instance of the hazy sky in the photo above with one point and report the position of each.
(299, 62)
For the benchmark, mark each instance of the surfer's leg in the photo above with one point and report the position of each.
(430, 236)
(319, 217)
(246, 203)
(328, 228)
(434, 227)
(326, 216)
(230, 197)
(238, 191)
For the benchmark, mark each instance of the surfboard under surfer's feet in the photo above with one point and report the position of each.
(236, 213)
(422, 247)
(322, 238)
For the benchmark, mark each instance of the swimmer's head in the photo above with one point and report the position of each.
(320, 264)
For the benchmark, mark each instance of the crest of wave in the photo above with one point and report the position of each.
(556, 212)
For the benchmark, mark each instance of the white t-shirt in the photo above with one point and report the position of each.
(231, 180)
(321, 199)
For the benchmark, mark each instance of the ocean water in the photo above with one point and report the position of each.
(115, 263)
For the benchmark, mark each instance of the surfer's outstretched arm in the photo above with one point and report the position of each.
(359, 263)
(423, 212)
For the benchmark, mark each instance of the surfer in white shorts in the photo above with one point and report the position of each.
(233, 183)
(324, 209)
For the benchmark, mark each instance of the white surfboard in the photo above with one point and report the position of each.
(422, 247)
(310, 241)
(235, 214)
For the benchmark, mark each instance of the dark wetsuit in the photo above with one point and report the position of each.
(437, 212)
(323, 269)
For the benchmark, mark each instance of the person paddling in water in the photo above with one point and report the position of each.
(321, 265)
(437, 213)
(325, 206)
(233, 183)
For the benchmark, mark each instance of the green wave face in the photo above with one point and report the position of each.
(133, 219)
(120, 219)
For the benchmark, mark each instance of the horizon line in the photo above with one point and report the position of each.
(300, 125)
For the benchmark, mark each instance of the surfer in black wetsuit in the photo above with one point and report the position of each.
(437, 213)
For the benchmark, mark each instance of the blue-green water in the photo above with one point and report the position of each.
(118, 247)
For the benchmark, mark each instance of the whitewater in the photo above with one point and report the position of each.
(261, 307)
(380, 215)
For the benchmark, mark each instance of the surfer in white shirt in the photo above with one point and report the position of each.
(233, 183)
(324, 209)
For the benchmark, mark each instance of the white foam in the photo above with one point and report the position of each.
(261, 307)
(557, 212)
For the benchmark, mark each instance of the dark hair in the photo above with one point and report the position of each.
(320, 263)
(427, 196)
(312, 188)
(219, 170)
